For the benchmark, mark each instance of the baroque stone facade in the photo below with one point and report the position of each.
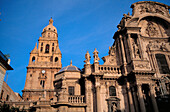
(135, 76)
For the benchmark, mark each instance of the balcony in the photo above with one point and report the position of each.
(78, 99)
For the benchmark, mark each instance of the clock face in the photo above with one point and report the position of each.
(43, 71)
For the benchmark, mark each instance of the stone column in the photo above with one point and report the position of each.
(141, 101)
(97, 84)
(135, 99)
(125, 98)
(88, 96)
(123, 54)
(155, 107)
(130, 46)
(132, 109)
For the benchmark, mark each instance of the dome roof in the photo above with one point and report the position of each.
(50, 27)
(70, 68)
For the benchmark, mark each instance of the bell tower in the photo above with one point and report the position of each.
(44, 62)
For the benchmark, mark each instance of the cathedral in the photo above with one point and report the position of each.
(135, 76)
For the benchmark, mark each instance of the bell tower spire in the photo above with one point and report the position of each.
(44, 62)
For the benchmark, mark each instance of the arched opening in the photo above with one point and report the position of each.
(162, 63)
(56, 59)
(47, 48)
(33, 59)
(41, 49)
(112, 91)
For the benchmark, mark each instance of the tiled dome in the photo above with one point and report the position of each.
(70, 68)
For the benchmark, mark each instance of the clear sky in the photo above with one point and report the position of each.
(82, 26)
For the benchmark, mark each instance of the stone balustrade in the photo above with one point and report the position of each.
(110, 69)
(44, 103)
(76, 99)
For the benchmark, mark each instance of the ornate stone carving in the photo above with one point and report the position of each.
(151, 8)
(111, 58)
(88, 57)
(127, 16)
(151, 30)
(157, 45)
(96, 57)
(142, 66)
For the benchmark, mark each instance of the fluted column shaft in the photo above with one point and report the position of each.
(130, 98)
(141, 101)
(155, 107)
(135, 99)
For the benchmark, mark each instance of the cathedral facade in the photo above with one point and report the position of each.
(135, 76)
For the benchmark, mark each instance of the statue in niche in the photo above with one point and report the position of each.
(114, 108)
(151, 29)
(88, 57)
(96, 57)
(135, 50)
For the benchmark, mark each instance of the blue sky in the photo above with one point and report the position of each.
(82, 26)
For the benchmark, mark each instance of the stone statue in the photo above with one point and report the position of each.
(88, 57)
(111, 51)
(96, 57)
(127, 16)
(114, 108)
(136, 50)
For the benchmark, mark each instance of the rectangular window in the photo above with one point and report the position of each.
(162, 64)
(2, 94)
(7, 97)
(42, 83)
(71, 90)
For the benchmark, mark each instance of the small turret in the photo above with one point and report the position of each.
(35, 50)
